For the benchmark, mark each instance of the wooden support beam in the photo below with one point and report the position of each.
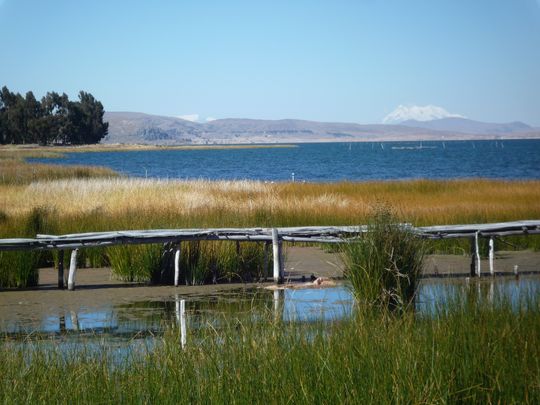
(491, 256)
(477, 250)
(473, 258)
(72, 269)
(265, 262)
(61, 269)
(177, 265)
(276, 244)
(238, 258)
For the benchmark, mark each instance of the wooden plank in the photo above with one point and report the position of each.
(314, 234)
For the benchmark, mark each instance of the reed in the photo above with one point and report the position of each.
(467, 354)
(384, 266)
(14, 170)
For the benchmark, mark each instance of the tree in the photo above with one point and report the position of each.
(55, 119)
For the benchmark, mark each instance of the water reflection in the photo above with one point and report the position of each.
(435, 295)
(151, 317)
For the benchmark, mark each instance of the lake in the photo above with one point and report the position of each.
(328, 162)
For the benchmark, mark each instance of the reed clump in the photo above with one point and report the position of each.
(385, 264)
(201, 262)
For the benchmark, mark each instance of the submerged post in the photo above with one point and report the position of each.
(177, 265)
(491, 256)
(181, 318)
(478, 271)
(72, 269)
(183, 338)
(60, 269)
(276, 244)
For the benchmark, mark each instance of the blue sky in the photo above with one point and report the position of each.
(352, 61)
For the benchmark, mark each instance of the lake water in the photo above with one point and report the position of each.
(516, 159)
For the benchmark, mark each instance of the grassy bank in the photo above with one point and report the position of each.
(469, 354)
(14, 170)
(78, 204)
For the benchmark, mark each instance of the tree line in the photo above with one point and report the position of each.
(53, 120)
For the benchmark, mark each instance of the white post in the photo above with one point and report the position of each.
(72, 269)
(277, 255)
(177, 266)
(491, 256)
(477, 254)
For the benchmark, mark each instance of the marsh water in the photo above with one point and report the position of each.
(149, 318)
(515, 159)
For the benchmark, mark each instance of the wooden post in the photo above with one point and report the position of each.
(491, 256)
(478, 271)
(239, 258)
(72, 269)
(265, 262)
(281, 263)
(473, 258)
(61, 269)
(177, 265)
(276, 244)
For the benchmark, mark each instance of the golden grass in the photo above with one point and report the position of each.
(16, 171)
(144, 203)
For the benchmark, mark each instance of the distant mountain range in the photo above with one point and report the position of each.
(139, 128)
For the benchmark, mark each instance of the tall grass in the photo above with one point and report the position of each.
(14, 170)
(101, 204)
(20, 269)
(469, 355)
(200, 262)
(384, 266)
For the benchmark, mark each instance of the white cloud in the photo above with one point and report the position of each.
(190, 117)
(209, 119)
(418, 113)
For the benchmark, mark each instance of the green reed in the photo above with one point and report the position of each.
(385, 264)
(466, 354)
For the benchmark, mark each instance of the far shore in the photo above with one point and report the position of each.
(134, 147)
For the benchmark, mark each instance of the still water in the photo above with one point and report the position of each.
(141, 319)
(516, 159)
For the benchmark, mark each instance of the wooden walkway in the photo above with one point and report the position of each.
(274, 236)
